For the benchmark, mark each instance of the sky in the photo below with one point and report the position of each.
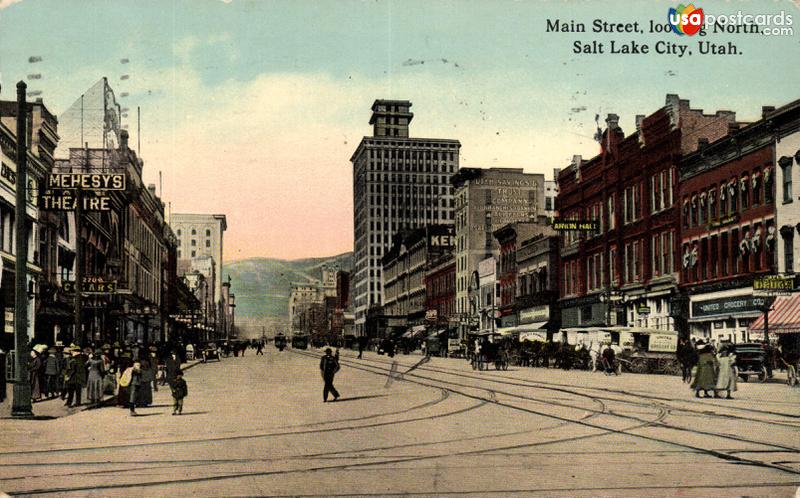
(253, 108)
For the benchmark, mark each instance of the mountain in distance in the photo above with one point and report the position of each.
(262, 287)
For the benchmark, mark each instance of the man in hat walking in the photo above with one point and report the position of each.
(75, 377)
(328, 367)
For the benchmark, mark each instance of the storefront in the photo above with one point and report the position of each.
(725, 315)
(535, 323)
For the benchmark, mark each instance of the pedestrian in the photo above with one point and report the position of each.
(687, 356)
(705, 379)
(144, 392)
(35, 372)
(609, 357)
(51, 372)
(135, 384)
(171, 367)
(362, 342)
(97, 371)
(75, 377)
(769, 354)
(124, 365)
(154, 366)
(260, 348)
(179, 391)
(328, 367)
(726, 380)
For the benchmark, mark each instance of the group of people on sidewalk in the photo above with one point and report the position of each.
(130, 373)
(714, 372)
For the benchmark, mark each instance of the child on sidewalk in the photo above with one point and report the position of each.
(179, 391)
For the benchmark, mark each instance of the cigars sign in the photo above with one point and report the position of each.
(89, 191)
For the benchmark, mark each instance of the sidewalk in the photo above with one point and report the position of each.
(54, 407)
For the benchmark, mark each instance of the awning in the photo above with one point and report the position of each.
(505, 331)
(725, 316)
(414, 331)
(784, 317)
(531, 327)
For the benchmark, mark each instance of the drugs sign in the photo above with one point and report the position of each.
(773, 285)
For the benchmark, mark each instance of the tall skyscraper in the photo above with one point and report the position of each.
(398, 183)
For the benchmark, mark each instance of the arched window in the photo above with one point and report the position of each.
(208, 232)
(194, 232)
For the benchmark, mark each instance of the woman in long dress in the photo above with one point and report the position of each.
(144, 394)
(95, 381)
(726, 380)
(706, 377)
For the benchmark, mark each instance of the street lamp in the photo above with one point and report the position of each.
(233, 310)
(612, 296)
(766, 308)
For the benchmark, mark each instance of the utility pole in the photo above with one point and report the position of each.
(79, 338)
(22, 407)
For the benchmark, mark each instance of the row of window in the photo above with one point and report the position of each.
(736, 251)
(732, 196)
(194, 232)
(194, 243)
(662, 257)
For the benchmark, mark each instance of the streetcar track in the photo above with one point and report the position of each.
(549, 386)
(565, 405)
(480, 404)
(712, 452)
(382, 464)
(562, 388)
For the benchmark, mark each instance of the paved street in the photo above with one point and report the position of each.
(257, 426)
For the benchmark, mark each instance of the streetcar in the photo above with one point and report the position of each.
(280, 342)
(299, 342)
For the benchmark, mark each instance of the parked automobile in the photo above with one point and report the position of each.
(210, 352)
(751, 359)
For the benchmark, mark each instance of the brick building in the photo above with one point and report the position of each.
(630, 188)
(731, 229)
(440, 293)
(510, 239)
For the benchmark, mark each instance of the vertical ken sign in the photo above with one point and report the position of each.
(91, 190)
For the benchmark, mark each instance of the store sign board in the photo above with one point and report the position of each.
(63, 188)
(728, 305)
(91, 285)
(666, 343)
(534, 314)
(576, 225)
(773, 285)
